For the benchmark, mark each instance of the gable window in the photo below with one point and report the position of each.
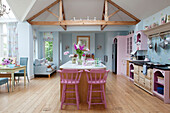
(48, 46)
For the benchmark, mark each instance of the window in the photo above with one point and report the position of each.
(48, 45)
(49, 50)
(3, 41)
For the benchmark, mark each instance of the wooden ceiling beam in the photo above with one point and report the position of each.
(106, 10)
(42, 11)
(44, 23)
(64, 18)
(60, 11)
(103, 14)
(126, 12)
(103, 26)
(83, 23)
(113, 13)
(52, 13)
(64, 27)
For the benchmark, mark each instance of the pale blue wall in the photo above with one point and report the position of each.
(163, 55)
(66, 41)
(100, 40)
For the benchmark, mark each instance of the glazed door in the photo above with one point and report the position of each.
(114, 58)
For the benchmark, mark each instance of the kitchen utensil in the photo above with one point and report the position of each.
(155, 47)
(168, 39)
(162, 45)
(150, 46)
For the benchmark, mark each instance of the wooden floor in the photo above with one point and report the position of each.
(42, 95)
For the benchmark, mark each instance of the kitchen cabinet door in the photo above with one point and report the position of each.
(141, 81)
(136, 78)
(148, 84)
(136, 69)
(149, 74)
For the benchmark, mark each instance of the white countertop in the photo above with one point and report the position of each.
(69, 65)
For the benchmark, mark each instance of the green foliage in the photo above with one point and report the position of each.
(49, 50)
(80, 53)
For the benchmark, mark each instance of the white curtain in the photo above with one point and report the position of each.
(12, 35)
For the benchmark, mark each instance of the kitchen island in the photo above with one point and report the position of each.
(83, 86)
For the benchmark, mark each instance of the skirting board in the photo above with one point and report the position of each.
(143, 88)
(31, 77)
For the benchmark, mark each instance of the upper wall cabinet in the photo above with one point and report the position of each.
(141, 41)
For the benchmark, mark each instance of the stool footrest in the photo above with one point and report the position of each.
(97, 103)
(96, 98)
(70, 91)
(69, 104)
(70, 98)
(96, 91)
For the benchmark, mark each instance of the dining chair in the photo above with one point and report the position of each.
(96, 77)
(70, 77)
(4, 81)
(23, 62)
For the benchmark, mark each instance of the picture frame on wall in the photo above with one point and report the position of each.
(84, 40)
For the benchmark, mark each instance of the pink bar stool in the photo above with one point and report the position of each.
(96, 77)
(70, 77)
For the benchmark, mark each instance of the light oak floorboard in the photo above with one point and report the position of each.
(42, 95)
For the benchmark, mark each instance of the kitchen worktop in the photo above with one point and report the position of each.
(151, 64)
(69, 65)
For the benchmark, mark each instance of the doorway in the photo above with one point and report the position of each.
(114, 56)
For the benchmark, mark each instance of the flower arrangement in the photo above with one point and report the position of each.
(6, 61)
(71, 55)
(79, 50)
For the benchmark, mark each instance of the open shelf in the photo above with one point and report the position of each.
(131, 72)
(159, 30)
(159, 83)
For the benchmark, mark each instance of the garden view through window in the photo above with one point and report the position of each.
(49, 50)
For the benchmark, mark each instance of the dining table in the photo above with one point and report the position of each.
(12, 71)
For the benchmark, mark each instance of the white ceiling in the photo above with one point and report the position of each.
(143, 8)
(24, 9)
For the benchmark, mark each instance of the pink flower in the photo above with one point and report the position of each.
(87, 49)
(75, 47)
(83, 54)
(71, 55)
(81, 47)
(66, 53)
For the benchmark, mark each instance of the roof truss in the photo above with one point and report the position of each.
(64, 23)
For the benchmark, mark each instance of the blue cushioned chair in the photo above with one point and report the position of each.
(23, 62)
(4, 81)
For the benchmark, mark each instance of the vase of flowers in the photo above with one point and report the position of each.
(79, 51)
(6, 61)
(73, 56)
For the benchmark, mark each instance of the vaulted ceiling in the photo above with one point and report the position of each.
(24, 9)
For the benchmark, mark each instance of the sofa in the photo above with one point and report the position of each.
(44, 67)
